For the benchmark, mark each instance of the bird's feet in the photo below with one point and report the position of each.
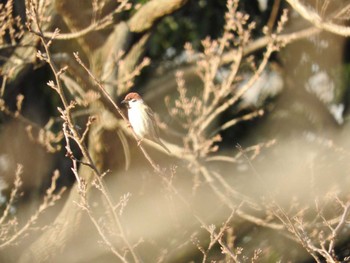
(139, 142)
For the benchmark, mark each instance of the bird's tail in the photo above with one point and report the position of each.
(163, 145)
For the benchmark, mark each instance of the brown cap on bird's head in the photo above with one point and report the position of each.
(131, 96)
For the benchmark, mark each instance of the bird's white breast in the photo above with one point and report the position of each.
(138, 118)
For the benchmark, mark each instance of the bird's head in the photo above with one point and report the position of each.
(132, 99)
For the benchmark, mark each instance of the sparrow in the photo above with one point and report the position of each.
(141, 119)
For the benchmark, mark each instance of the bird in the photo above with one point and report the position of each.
(141, 118)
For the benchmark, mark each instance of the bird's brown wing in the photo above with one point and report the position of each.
(154, 130)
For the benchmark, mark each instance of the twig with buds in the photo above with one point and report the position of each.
(71, 131)
(96, 25)
(49, 200)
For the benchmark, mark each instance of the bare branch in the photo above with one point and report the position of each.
(150, 12)
(317, 21)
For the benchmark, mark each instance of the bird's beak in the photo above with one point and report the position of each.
(126, 103)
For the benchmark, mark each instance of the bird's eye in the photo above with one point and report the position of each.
(133, 100)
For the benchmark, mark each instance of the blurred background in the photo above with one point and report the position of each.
(266, 181)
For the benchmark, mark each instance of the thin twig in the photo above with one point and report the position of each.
(338, 228)
(67, 117)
